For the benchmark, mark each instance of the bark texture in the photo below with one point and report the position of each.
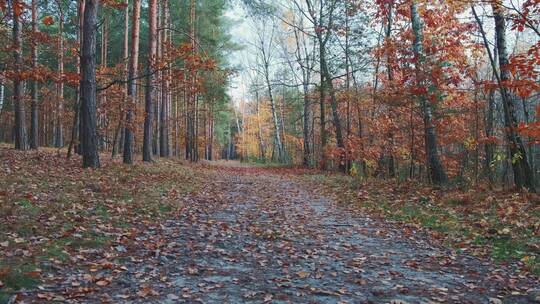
(89, 136)
(150, 79)
(129, 137)
(21, 140)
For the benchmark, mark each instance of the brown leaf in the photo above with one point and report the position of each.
(147, 291)
(45, 296)
(303, 274)
(192, 270)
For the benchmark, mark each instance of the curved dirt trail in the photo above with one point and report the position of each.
(252, 238)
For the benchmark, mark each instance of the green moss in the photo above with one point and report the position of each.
(505, 248)
(54, 251)
(28, 207)
(88, 240)
(16, 279)
(102, 212)
(165, 209)
(25, 230)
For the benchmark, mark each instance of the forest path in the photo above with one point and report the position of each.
(258, 237)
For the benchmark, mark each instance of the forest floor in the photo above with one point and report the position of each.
(168, 232)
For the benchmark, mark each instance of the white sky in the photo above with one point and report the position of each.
(241, 33)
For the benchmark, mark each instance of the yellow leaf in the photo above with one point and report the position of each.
(303, 274)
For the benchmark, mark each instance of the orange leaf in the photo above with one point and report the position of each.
(48, 21)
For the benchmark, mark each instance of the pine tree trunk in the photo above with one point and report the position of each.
(59, 126)
(191, 101)
(164, 123)
(117, 142)
(89, 136)
(34, 123)
(129, 137)
(75, 131)
(211, 140)
(21, 140)
(102, 118)
(150, 79)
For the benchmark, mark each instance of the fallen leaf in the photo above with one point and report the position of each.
(303, 274)
(147, 291)
(495, 301)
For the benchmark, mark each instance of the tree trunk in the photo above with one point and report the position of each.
(59, 125)
(322, 101)
(150, 79)
(262, 149)
(523, 175)
(34, 123)
(117, 143)
(89, 136)
(435, 167)
(21, 141)
(211, 139)
(2, 97)
(190, 102)
(102, 118)
(327, 85)
(335, 114)
(129, 136)
(75, 131)
(2, 92)
(176, 127)
(306, 78)
(275, 119)
(348, 162)
(489, 147)
(165, 102)
(390, 72)
(306, 132)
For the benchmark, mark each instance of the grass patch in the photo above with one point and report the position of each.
(28, 207)
(102, 212)
(506, 224)
(15, 278)
(52, 208)
(54, 251)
